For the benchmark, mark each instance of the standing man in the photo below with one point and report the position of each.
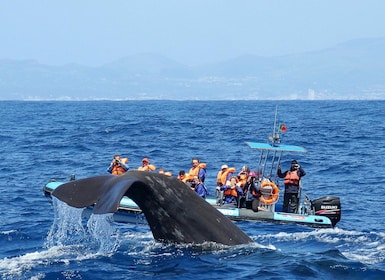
(291, 181)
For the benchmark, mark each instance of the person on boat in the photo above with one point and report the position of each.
(251, 191)
(243, 175)
(182, 175)
(146, 166)
(247, 181)
(224, 175)
(291, 181)
(231, 191)
(251, 185)
(164, 172)
(118, 165)
(199, 187)
(197, 169)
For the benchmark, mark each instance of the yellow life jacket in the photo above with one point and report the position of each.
(148, 167)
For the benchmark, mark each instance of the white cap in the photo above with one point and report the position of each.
(224, 166)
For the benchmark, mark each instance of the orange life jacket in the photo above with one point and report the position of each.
(194, 171)
(243, 179)
(182, 178)
(148, 167)
(117, 169)
(226, 173)
(232, 191)
(219, 176)
(291, 178)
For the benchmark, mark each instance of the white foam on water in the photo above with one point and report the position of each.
(72, 237)
(364, 247)
(16, 266)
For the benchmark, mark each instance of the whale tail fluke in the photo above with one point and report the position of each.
(174, 213)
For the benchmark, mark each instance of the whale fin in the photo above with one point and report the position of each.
(174, 213)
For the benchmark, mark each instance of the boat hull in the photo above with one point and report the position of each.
(244, 214)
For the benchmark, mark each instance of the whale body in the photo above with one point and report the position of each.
(174, 212)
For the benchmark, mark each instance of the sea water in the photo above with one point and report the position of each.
(41, 141)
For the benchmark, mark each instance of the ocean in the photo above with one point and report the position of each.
(48, 140)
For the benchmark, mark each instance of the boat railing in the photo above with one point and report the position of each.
(305, 206)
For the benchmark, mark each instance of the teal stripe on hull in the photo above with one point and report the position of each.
(305, 219)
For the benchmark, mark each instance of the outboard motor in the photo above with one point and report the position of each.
(329, 206)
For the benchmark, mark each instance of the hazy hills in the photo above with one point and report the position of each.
(352, 70)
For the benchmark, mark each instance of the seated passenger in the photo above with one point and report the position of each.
(181, 175)
(243, 175)
(224, 175)
(251, 185)
(199, 187)
(118, 165)
(146, 166)
(247, 181)
(231, 191)
(162, 171)
(197, 169)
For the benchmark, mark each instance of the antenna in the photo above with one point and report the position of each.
(275, 118)
(274, 138)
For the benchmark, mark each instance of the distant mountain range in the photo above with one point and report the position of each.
(352, 70)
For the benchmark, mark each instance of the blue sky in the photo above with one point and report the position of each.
(94, 32)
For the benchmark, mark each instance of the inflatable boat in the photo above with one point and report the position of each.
(324, 212)
(260, 200)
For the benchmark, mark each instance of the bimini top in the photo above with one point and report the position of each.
(276, 147)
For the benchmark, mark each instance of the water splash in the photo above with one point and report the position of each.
(67, 225)
(102, 230)
(79, 227)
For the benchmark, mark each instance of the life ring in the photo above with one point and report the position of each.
(274, 193)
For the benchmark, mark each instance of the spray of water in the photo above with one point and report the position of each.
(80, 228)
